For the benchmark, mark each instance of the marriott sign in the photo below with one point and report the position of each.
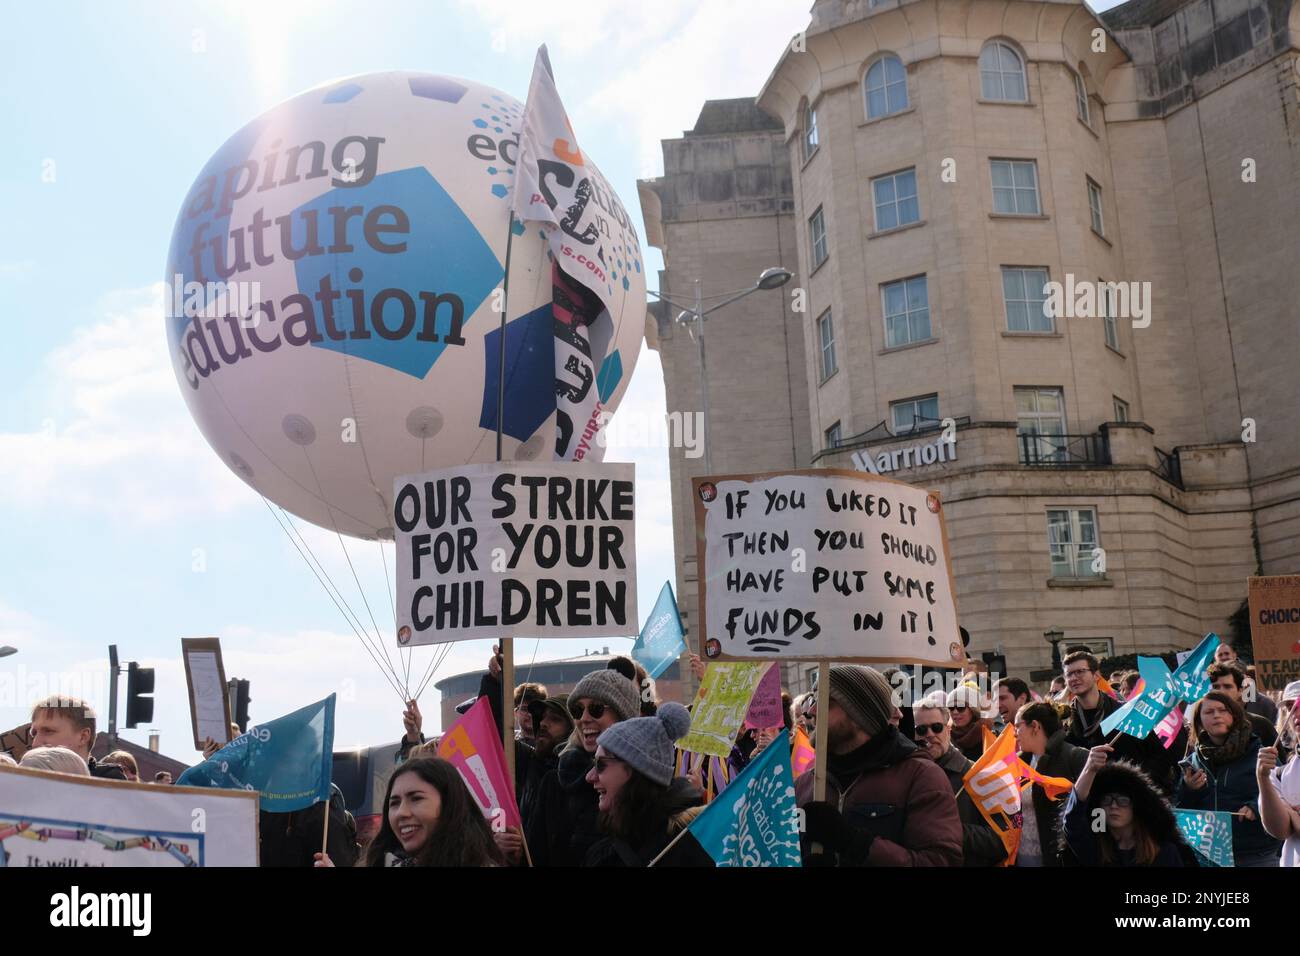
(911, 456)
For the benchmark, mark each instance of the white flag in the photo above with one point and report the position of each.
(597, 277)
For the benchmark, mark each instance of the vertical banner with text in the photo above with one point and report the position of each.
(1275, 629)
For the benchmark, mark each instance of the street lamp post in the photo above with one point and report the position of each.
(1054, 636)
(772, 278)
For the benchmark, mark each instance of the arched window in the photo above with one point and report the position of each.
(809, 131)
(1002, 73)
(1081, 99)
(885, 87)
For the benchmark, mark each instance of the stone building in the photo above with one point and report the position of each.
(1073, 235)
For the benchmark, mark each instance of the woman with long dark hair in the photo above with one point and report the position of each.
(431, 820)
(1219, 774)
(642, 806)
(1140, 829)
(1041, 739)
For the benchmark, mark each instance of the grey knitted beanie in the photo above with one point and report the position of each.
(610, 688)
(646, 743)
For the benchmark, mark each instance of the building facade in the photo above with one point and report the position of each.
(1048, 259)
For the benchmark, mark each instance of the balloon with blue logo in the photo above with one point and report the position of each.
(334, 295)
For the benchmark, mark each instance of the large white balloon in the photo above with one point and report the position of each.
(365, 222)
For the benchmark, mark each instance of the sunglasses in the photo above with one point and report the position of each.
(921, 729)
(1115, 800)
(602, 763)
(595, 708)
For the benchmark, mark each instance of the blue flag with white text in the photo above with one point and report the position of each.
(288, 761)
(1160, 694)
(1191, 678)
(1209, 833)
(753, 821)
(661, 640)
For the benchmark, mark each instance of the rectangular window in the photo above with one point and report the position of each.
(1024, 291)
(907, 311)
(817, 236)
(895, 199)
(826, 335)
(1110, 328)
(833, 436)
(1081, 99)
(1015, 187)
(1094, 207)
(1121, 409)
(1071, 539)
(913, 414)
(1040, 424)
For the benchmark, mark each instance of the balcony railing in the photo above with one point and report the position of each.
(1063, 451)
(1169, 467)
(882, 432)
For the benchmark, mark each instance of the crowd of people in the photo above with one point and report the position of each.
(601, 779)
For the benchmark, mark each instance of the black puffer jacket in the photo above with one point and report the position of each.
(1079, 844)
(563, 824)
(1060, 759)
(681, 803)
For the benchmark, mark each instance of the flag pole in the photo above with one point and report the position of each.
(508, 643)
(325, 830)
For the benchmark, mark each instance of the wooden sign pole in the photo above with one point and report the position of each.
(508, 705)
(823, 721)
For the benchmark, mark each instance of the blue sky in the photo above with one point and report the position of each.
(109, 497)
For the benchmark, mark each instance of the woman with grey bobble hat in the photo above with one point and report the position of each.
(563, 827)
(642, 807)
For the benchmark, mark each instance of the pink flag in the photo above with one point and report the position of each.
(473, 747)
(765, 706)
(1167, 729)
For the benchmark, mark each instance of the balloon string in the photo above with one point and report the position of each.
(435, 662)
(366, 640)
(371, 643)
(362, 591)
(392, 601)
(396, 689)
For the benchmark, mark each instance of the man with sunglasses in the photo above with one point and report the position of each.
(933, 731)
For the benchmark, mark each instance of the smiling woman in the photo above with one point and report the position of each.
(432, 820)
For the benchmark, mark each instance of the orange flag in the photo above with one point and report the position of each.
(803, 755)
(993, 783)
(1106, 688)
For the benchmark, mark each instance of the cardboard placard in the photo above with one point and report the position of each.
(1275, 629)
(824, 564)
(515, 549)
(59, 819)
(205, 677)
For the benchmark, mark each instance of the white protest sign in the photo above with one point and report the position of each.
(205, 676)
(824, 564)
(515, 549)
(57, 819)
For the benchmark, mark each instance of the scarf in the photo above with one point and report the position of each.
(970, 736)
(1233, 747)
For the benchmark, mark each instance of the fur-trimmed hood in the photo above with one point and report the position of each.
(1150, 807)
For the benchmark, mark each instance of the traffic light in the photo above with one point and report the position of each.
(139, 695)
(239, 703)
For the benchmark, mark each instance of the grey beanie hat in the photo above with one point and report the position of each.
(864, 694)
(610, 688)
(646, 743)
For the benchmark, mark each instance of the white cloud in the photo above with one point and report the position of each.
(115, 437)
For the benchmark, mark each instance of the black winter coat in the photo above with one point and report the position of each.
(679, 807)
(562, 827)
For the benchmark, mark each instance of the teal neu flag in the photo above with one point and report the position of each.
(661, 640)
(1190, 677)
(288, 761)
(1160, 695)
(1209, 833)
(753, 821)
